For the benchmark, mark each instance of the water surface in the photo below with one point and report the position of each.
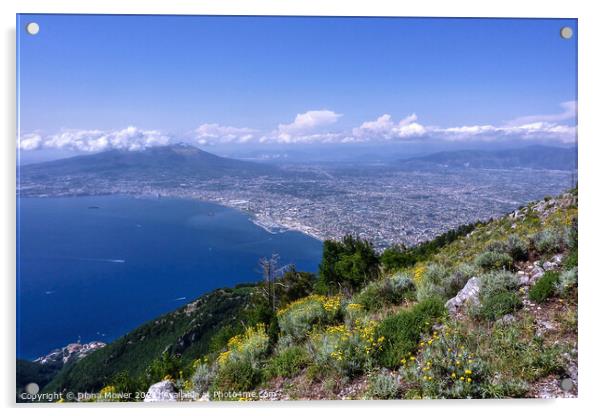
(93, 268)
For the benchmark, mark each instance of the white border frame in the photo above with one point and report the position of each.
(590, 68)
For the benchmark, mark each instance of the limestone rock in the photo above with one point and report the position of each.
(163, 391)
(469, 293)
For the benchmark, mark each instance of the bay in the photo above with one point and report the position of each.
(93, 268)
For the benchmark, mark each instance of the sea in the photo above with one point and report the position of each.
(94, 268)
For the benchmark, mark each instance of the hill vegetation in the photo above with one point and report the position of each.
(487, 310)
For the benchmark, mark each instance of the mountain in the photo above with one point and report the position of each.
(173, 161)
(186, 332)
(531, 157)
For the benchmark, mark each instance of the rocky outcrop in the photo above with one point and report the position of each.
(468, 294)
(71, 352)
(163, 391)
(532, 272)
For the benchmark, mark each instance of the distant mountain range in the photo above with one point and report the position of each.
(173, 161)
(532, 157)
(173, 164)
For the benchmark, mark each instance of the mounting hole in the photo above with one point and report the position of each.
(32, 28)
(566, 32)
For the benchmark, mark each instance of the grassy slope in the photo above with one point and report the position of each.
(521, 360)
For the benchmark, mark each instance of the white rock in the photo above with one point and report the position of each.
(549, 266)
(470, 292)
(164, 391)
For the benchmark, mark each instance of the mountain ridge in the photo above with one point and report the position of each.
(179, 160)
(529, 157)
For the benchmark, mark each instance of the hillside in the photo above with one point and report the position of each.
(487, 310)
(530, 157)
(186, 332)
(159, 163)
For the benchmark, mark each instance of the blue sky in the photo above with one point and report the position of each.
(90, 83)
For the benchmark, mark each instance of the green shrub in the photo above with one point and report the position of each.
(432, 281)
(496, 247)
(383, 385)
(544, 287)
(397, 287)
(516, 353)
(251, 346)
(388, 291)
(350, 263)
(203, 377)
(499, 304)
(453, 283)
(496, 282)
(166, 366)
(401, 332)
(370, 297)
(571, 260)
(346, 350)
(566, 281)
(445, 367)
(517, 248)
(298, 318)
(236, 376)
(287, 363)
(549, 241)
(124, 383)
(492, 260)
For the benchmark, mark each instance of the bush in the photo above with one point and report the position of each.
(297, 319)
(431, 282)
(517, 248)
(453, 283)
(397, 288)
(203, 376)
(347, 351)
(370, 297)
(167, 366)
(499, 304)
(444, 368)
(383, 385)
(544, 287)
(236, 376)
(496, 282)
(123, 383)
(401, 331)
(493, 260)
(549, 241)
(515, 352)
(249, 347)
(389, 291)
(287, 363)
(350, 263)
(566, 281)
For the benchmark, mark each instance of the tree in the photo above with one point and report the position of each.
(348, 264)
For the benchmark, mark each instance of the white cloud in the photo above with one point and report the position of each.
(313, 127)
(30, 141)
(130, 138)
(301, 129)
(211, 133)
(541, 130)
(384, 128)
(569, 113)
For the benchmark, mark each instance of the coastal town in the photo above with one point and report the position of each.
(385, 206)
